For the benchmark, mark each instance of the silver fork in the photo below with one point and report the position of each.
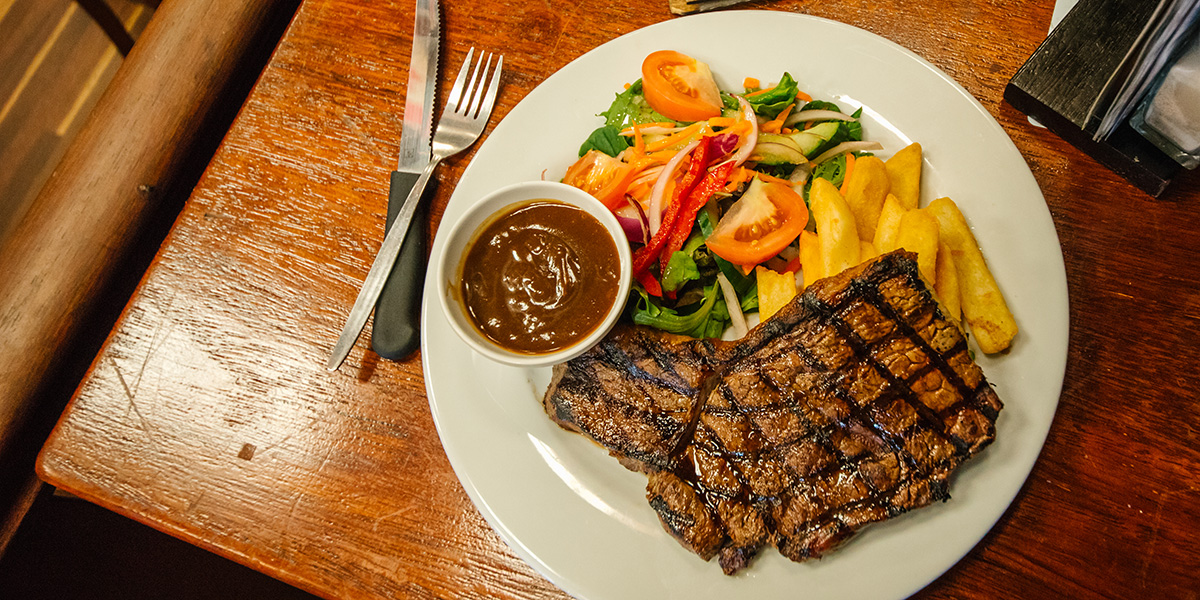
(466, 114)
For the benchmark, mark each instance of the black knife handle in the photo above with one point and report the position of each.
(396, 330)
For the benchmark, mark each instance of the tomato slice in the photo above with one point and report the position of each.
(767, 218)
(602, 176)
(680, 87)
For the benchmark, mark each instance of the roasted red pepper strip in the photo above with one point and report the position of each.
(713, 181)
(793, 265)
(653, 287)
(646, 255)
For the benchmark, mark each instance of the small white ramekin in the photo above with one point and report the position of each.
(462, 233)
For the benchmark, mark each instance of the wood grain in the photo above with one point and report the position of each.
(209, 414)
(60, 264)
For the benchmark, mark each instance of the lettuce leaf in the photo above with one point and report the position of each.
(606, 139)
(630, 107)
(680, 269)
(771, 102)
(645, 311)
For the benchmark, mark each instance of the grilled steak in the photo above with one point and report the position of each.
(851, 405)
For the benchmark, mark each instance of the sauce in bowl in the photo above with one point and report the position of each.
(540, 277)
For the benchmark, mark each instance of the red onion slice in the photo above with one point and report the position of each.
(751, 138)
(736, 317)
(637, 230)
(656, 194)
(634, 230)
(846, 147)
(817, 115)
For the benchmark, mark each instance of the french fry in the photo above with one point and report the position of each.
(904, 175)
(919, 233)
(866, 251)
(888, 225)
(836, 231)
(774, 290)
(865, 191)
(946, 285)
(810, 257)
(983, 304)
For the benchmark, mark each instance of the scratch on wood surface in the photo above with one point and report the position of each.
(395, 513)
(362, 135)
(286, 528)
(1155, 528)
(129, 395)
(295, 503)
(325, 460)
(558, 35)
(161, 333)
(192, 505)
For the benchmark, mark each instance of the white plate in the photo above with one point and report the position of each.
(581, 519)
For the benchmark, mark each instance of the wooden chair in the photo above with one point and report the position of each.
(70, 264)
(108, 20)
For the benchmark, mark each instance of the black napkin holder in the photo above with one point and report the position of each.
(1063, 77)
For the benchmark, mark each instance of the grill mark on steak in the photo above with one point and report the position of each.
(852, 405)
(633, 396)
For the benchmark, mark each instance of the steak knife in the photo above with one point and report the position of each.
(395, 333)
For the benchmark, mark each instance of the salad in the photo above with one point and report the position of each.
(712, 188)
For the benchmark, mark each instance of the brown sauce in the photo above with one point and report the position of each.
(540, 277)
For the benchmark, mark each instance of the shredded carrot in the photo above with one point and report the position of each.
(640, 191)
(758, 93)
(643, 177)
(662, 156)
(642, 163)
(783, 114)
(742, 175)
(803, 96)
(722, 122)
(776, 124)
(849, 171)
(675, 138)
(773, 179)
(737, 178)
(639, 144)
(751, 83)
(741, 127)
(629, 130)
(628, 85)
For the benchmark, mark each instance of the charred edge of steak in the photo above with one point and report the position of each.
(851, 405)
(684, 514)
(636, 394)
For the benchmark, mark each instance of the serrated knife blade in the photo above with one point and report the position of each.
(395, 332)
(422, 83)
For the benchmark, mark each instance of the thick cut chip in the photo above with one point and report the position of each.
(982, 303)
(774, 290)
(904, 174)
(888, 225)
(865, 191)
(810, 257)
(919, 233)
(946, 285)
(836, 230)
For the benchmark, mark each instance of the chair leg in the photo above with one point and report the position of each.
(104, 16)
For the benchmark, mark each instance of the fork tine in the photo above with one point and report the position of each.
(489, 98)
(469, 105)
(456, 94)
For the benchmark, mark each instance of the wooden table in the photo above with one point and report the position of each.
(209, 413)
